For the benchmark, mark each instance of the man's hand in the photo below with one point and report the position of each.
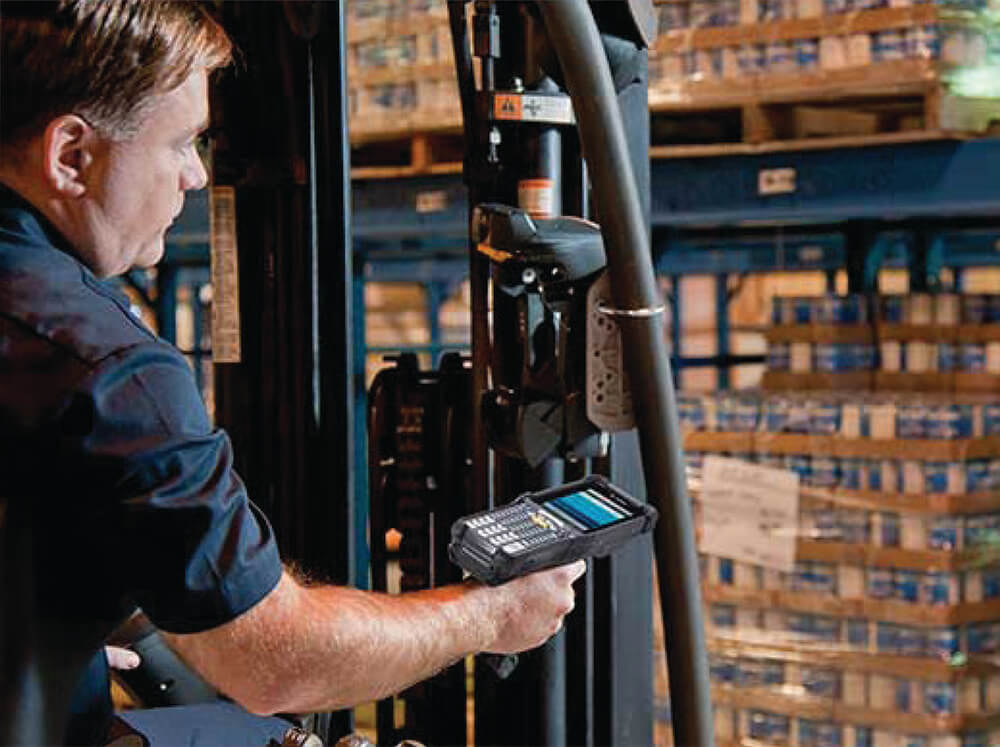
(530, 609)
(310, 648)
(121, 658)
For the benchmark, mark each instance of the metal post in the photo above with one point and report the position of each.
(722, 329)
(166, 296)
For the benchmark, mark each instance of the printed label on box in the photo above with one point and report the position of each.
(750, 513)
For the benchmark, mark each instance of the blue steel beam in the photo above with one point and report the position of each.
(937, 179)
(933, 179)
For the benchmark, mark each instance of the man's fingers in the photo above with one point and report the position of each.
(577, 569)
(121, 658)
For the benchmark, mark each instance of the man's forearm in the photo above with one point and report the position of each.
(323, 648)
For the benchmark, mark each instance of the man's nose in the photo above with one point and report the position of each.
(194, 176)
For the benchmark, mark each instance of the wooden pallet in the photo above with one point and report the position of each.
(880, 100)
(901, 99)
(402, 154)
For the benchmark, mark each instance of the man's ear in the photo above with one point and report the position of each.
(68, 151)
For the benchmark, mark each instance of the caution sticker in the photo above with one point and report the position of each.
(554, 109)
(536, 197)
(507, 106)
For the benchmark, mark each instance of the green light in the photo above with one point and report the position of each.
(981, 82)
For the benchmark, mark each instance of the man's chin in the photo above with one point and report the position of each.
(149, 256)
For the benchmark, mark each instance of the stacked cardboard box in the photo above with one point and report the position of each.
(885, 631)
(811, 53)
(400, 68)
(943, 343)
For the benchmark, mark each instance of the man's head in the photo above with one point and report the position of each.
(101, 102)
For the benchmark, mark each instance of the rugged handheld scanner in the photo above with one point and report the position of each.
(548, 528)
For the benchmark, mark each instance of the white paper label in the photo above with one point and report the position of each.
(225, 276)
(750, 513)
(546, 109)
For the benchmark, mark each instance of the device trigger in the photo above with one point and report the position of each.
(503, 665)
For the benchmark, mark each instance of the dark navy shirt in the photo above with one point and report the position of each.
(109, 463)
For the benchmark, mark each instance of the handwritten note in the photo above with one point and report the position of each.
(749, 513)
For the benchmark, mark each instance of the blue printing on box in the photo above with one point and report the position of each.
(758, 673)
(821, 682)
(890, 529)
(947, 357)
(775, 415)
(936, 477)
(911, 641)
(940, 698)
(807, 53)
(800, 464)
(983, 638)
(779, 356)
(723, 669)
(824, 418)
(723, 615)
(880, 583)
(766, 725)
(911, 421)
(939, 588)
(819, 733)
(802, 308)
(981, 529)
(825, 471)
(819, 578)
(779, 55)
(892, 309)
(906, 585)
(942, 642)
(852, 474)
(950, 421)
(991, 583)
(991, 419)
(943, 533)
(857, 633)
(977, 475)
(725, 571)
(902, 695)
(853, 526)
(972, 357)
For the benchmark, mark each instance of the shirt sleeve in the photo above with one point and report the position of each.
(171, 518)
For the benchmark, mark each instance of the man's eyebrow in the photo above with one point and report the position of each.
(199, 128)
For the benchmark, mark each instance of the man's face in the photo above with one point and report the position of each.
(140, 182)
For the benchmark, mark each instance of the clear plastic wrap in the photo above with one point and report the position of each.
(733, 53)
(943, 342)
(887, 629)
(400, 68)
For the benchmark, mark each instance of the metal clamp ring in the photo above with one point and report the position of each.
(632, 313)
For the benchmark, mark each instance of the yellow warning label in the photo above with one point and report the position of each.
(536, 197)
(496, 255)
(507, 106)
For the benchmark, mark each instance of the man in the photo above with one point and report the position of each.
(116, 490)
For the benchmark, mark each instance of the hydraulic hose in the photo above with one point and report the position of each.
(640, 316)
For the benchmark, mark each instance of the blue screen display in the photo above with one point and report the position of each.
(586, 508)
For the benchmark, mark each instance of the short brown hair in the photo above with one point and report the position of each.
(101, 59)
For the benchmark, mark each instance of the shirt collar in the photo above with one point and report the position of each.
(20, 216)
(17, 213)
